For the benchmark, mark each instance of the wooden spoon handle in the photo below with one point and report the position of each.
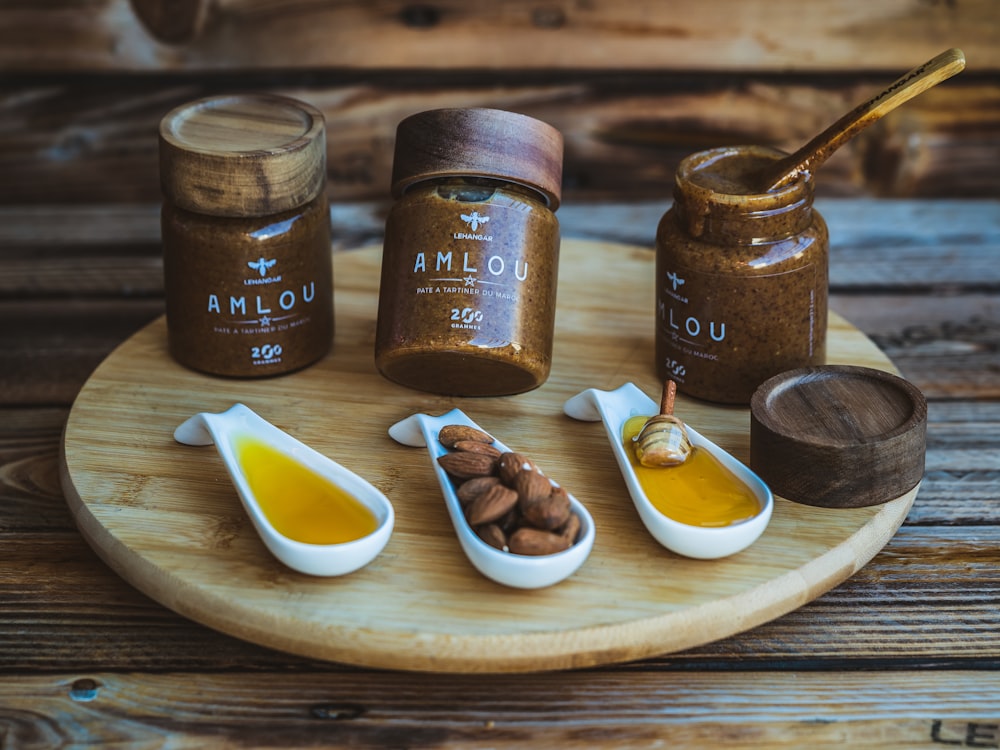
(667, 398)
(809, 157)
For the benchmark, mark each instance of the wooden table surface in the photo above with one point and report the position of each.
(904, 654)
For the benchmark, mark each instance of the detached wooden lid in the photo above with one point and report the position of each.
(489, 143)
(242, 155)
(838, 436)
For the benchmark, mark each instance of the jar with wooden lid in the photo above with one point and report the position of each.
(246, 235)
(741, 277)
(470, 262)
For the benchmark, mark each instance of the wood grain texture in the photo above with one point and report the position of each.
(838, 436)
(420, 606)
(904, 710)
(242, 155)
(898, 612)
(50, 350)
(777, 35)
(89, 140)
(481, 142)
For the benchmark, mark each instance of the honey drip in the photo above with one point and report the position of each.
(300, 503)
(699, 492)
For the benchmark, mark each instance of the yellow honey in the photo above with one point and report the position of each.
(299, 503)
(699, 492)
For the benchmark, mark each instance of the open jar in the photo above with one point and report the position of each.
(246, 235)
(470, 261)
(741, 277)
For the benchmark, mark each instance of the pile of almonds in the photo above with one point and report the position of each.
(507, 501)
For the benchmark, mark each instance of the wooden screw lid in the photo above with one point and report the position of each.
(489, 143)
(242, 155)
(838, 436)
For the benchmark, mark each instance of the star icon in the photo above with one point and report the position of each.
(470, 280)
(265, 321)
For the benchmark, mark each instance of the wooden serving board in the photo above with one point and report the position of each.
(166, 518)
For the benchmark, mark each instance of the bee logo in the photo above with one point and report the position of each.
(262, 265)
(674, 280)
(474, 220)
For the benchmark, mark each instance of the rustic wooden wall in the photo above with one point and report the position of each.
(634, 86)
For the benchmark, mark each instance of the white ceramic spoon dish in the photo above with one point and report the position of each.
(702, 542)
(518, 571)
(239, 422)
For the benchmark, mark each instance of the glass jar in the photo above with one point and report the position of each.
(246, 235)
(741, 277)
(470, 262)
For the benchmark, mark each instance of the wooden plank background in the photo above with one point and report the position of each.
(627, 35)
(634, 86)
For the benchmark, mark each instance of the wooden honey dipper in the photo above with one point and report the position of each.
(663, 440)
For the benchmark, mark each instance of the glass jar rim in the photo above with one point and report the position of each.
(689, 189)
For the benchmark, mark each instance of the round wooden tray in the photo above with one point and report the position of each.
(166, 518)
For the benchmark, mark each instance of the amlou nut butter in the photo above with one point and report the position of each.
(246, 235)
(471, 253)
(741, 277)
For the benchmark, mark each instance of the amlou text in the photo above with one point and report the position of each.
(286, 301)
(693, 326)
(495, 265)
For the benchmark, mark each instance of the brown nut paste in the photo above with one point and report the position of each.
(741, 278)
(470, 262)
(246, 235)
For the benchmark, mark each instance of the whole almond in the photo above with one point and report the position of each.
(511, 464)
(507, 500)
(510, 522)
(492, 534)
(571, 529)
(470, 489)
(528, 541)
(491, 505)
(465, 465)
(531, 486)
(474, 446)
(549, 512)
(453, 433)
